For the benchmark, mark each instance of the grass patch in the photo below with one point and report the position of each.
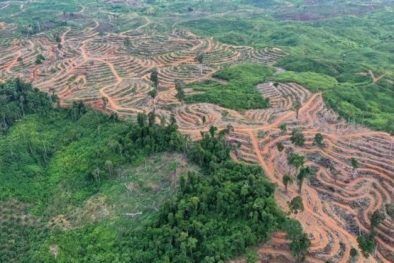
(313, 81)
(240, 93)
(341, 70)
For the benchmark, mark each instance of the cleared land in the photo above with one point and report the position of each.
(99, 68)
(89, 67)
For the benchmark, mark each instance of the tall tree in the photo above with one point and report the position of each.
(334, 173)
(283, 128)
(366, 245)
(154, 77)
(297, 138)
(318, 140)
(296, 205)
(179, 86)
(354, 163)
(153, 94)
(297, 106)
(376, 219)
(230, 128)
(299, 247)
(287, 179)
(390, 212)
(200, 60)
(39, 59)
(127, 42)
(280, 146)
(296, 161)
(105, 102)
(353, 253)
(304, 173)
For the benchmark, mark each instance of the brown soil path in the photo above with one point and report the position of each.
(320, 219)
(82, 9)
(12, 64)
(63, 37)
(375, 79)
(334, 208)
(148, 22)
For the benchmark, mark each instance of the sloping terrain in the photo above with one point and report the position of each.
(106, 59)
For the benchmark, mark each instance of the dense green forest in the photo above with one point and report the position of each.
(53, 161)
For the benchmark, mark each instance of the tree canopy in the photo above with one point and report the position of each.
(18, 99)
(297, 138)
(212, 216)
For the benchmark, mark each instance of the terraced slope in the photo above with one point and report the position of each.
(337, 207)
(90, 66)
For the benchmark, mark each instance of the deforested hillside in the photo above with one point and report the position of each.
(196, 131)
(78, 185)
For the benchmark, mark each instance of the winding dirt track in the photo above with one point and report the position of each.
(336, 211)
(328, 205)
(89, 67)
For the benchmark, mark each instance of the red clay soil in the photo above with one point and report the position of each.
(89, 67)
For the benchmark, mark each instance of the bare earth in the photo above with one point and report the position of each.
(89, 67)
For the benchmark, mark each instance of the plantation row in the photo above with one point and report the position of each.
(86, 65)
